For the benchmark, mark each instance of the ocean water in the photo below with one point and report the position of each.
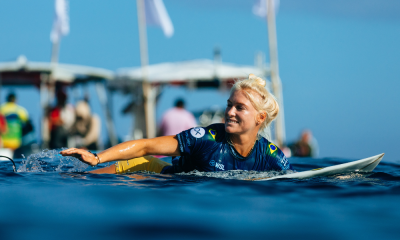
(52, 197)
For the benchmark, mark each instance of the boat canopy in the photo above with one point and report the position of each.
(24, 72)
(198, 71)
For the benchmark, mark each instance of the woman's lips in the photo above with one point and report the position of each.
(231, 121)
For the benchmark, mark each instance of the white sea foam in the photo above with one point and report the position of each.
(237, 174)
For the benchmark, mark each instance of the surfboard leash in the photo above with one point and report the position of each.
(15, 169)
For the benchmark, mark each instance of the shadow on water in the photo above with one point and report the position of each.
(52, 197)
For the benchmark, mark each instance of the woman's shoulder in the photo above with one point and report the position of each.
(270, 146)
(217, 127)
(263, 140)
(214, 132)
(217, 131)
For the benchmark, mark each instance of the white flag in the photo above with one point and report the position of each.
(61, 21)
(260, 8)
(157, 15)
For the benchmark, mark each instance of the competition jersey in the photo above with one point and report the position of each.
(207, 150)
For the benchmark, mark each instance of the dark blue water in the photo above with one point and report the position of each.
(53, 201)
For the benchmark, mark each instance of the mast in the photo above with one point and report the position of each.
(47, 91)
(280, 134)
(148, 92)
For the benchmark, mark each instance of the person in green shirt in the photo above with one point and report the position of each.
(16, 117)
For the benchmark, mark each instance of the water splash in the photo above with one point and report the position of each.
(51, 161)
(237, 174)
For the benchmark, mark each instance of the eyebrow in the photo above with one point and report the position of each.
(239, 103)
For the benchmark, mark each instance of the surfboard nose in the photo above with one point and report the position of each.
(370, 167)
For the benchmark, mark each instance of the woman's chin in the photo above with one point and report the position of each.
(229, 129)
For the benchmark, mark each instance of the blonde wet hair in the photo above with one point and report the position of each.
(261, 99)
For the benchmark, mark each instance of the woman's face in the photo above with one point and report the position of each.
(240, 115)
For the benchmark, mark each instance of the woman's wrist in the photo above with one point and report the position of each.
(97, 157)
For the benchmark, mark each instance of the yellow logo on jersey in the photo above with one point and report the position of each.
(272, 148)
(213, 133)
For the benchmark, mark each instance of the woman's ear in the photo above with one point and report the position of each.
(261, 117)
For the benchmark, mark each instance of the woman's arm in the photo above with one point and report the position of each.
(167, 145)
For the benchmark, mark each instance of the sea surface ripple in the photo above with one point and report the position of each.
(53, 197)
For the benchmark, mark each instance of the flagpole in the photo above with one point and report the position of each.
(148, 92)
(47, 88)
(54, 62)
(280, 134)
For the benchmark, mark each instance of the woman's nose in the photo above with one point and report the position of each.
(230, 111)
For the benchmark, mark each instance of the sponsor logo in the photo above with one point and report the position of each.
(213, 133)
(284, 162)
(220, 166)
(197, 132)
(317, 169)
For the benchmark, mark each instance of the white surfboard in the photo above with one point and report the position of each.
(363, 165)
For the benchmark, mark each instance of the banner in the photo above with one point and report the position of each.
(157, 15)
(61, 21)
(260, 7)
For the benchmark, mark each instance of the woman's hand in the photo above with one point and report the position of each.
(82, 155)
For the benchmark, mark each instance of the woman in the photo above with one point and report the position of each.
(236, 145)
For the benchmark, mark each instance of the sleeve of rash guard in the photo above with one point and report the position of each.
(277, 160)
(191, 141)
(281, 162)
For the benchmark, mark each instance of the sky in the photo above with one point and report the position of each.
(338, 60)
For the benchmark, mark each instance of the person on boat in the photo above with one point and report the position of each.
(16, 117)
(305, 146)
(3, 127)
(177, 119)
(61, 118)
(237, 144)
(87, 127)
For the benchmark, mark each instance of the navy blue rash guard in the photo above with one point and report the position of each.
(207, 150)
